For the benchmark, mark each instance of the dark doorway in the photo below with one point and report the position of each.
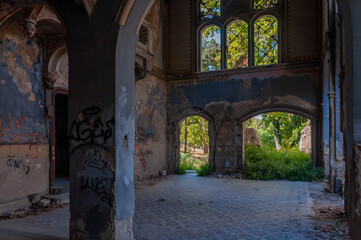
(61, 137)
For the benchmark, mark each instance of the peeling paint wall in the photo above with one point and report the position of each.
(150, 134)
(24, 152)
(21, 91)
(150, 98)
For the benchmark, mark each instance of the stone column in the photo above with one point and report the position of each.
(101, 173)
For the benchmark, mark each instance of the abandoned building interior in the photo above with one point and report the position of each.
(95, 91)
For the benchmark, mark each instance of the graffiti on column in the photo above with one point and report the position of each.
(91, 129)
(98, 176)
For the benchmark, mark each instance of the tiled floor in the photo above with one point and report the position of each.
(191, 207)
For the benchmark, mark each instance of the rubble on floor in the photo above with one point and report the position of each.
(329, 220)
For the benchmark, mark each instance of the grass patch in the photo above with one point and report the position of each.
(204, 170)
(188, 163)
(264, 163)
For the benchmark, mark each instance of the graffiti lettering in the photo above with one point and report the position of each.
(98, 175)
(15, 132)
(99, 185)
(91, 129)
(95, 160)
(17, 164)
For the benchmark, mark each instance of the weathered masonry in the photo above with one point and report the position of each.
(95, 91)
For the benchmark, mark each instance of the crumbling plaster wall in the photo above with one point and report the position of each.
(24, 152)
(150, 134)
(339, 164)
(230, 97)
(150, 98)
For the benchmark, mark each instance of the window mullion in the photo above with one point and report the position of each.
(251, 43)
(224, 47)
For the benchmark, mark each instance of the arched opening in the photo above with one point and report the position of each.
(194, 144)
(278, 145)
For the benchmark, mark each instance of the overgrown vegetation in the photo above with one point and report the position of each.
(279, 156)
(266, 163)
(204, 170)
(198, 164)
(279, 129)
(194, 145)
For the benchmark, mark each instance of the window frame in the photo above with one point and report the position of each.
(205, 26)
(250, 17)
(227, 25)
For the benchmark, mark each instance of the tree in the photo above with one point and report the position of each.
(197, 132)
(279, 128)
(211, 49)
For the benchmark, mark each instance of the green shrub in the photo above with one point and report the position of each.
(265, 163)
(181, 170)
(204, 170)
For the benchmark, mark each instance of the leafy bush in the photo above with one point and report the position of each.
(267, 163)
(204, 170)
(181, 170)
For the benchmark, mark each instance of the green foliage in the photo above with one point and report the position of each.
(263, 4)
(237, 45)
(284, 127)
(204, 170)
(266, 41)
(187, 162)
(210, 9)
(267, 163)
(211, 49)
(197, 128)
(181, 170)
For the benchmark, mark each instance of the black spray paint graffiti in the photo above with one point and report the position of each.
(101, 179)
(94, 159)
(17, 164)
(91, 129)
(99, 185)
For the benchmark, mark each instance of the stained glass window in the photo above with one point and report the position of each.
(210, 9)
(211, 48)
(237, 45)
(266, 41)
(264, 4)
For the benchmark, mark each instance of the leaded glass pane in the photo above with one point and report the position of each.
(237, 45)
(264, 4)
(211, 49)
(266, 41)
(210, 9)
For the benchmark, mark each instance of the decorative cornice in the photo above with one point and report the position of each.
(222, 75)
